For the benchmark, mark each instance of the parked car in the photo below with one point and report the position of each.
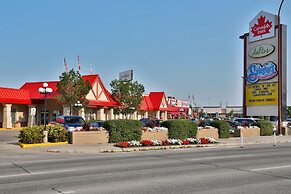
(96, 124)
(147, 122)
(246, 121)
(233, 125)
(71, 123)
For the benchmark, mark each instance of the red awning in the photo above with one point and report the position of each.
(14, 96)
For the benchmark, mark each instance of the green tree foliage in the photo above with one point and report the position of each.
(128, 94)
(231, 113)
(72, 88)
(289, 111)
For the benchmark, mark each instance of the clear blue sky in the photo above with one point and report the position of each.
(180, 47)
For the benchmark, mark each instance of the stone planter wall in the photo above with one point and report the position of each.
(287, 131)
(207, 132)
(154, 135)
(247, 132)
(89, 137)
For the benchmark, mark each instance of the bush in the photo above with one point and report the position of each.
(57, 133)
(31, 135)
(223, 128)
(180, 129)
(123, 130)
(265, 126)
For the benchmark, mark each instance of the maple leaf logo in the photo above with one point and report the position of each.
(262, 27)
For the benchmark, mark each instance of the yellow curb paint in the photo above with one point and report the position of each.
(12, 129)
(41, 144)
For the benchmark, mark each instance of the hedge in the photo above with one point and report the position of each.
(223, 128)
(57, 133)
(34, 134)
(31, 135)
(123, 130)
(265, 126)
(180, 129)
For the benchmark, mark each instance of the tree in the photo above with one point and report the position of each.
(72, 88)
(289, 111)
(231, 113)
(128, 94)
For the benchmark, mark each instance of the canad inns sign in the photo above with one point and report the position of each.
(261, 66)
(262, 26)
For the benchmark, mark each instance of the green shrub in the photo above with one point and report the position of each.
(31, 135)
(223, 128)
(123, 130)
(57, 133)
(180, 129)
(265, 126)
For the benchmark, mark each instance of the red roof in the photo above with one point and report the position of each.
(146, 103)
(14, 96)
(153, 101)
(33, 87)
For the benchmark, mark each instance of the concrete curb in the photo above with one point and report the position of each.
(41, 144)
(138, 149)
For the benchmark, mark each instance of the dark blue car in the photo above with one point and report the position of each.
(71, 123)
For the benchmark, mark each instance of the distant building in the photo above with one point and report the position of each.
(219, 111)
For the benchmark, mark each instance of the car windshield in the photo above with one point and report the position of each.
(73, 120)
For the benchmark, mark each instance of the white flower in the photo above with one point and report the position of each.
(156, 142)
(193, 140)
(211, 140)
(175, 141)
(135, 143)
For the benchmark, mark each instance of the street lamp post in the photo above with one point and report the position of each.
(45, 90)
(280, 71)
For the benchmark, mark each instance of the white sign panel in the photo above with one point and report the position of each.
(32, 111)
(262, 27)
(126, 75)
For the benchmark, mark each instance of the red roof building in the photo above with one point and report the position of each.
(26, 105)
(154, 105)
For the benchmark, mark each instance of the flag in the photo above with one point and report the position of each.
(91, 70)
(79, 64)
(65, 64)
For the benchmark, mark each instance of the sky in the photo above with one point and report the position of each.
(183, 48)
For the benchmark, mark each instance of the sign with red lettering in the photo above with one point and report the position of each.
(262, 27)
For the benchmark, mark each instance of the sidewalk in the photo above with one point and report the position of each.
(8, 140)
(110, 148)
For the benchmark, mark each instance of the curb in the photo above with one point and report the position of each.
(12, 129)
(23, 145)
(138, 149)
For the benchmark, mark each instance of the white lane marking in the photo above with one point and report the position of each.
(271, 168)
(13, 175)
(37, 173)
(222, 157)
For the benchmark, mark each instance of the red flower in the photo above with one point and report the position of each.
(123, 144)
(147, 143)
(165, 142)
(185, 142)
(204, 141)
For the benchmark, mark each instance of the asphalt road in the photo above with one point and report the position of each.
(255, 169)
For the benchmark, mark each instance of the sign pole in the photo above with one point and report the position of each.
(280, 72)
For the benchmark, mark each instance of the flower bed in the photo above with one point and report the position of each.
(188, 141)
